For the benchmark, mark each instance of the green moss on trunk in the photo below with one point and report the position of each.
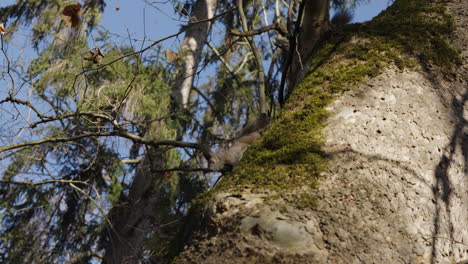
(289, 155)
(288, 159)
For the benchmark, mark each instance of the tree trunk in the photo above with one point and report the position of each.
(136, 214)
(395, 188)
(315, 23)
(191, 49)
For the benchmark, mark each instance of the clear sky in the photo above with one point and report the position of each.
(369, 10)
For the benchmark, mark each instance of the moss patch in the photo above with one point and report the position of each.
(420, 27)
(288, 159)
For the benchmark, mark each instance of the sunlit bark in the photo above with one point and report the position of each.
(191, 49)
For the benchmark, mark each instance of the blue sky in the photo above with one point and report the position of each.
(369, 10)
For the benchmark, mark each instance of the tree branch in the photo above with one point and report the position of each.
(8, 71)
(56, 140)
(42, 182)
(185, 169)
(118, 132)
(292, 48)
(274, 26)
(65, 116)
(151, 45)
(11, 99)
(258, 59)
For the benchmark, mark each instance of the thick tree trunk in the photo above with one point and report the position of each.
(395, 190)
(132, 219)
(315, 23)
(191, 49)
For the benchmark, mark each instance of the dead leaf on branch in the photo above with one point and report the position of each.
(3, 31)
(72, 15)
(171, 56)
(95, 56)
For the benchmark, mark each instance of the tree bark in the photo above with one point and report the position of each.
(315, 23)
(133, 217)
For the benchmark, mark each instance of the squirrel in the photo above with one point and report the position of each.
(342, 17)
(225, 160)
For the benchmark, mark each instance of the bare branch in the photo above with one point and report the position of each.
(193, 22)
(56, 140)
(185, 169)
(42, 182)
(11, 99)
(205, 98)
(274, 26)
(258, 59)
(8, 71)
(216, 52)
(69, 115)
(118, 132)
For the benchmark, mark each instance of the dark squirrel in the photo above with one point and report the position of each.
(226, 159)
(342, 17)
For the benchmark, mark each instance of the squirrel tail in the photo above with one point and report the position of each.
(342, 17)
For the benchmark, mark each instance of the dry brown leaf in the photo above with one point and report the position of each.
(95, 55)
(99, 52)
(167, 176)
(72, 15)
(2, 29)
(229, 42)
(171, 56)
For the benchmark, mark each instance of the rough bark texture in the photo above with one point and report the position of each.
(395, 191)
(133, 217)
(315, 23)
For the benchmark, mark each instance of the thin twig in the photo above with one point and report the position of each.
(258, 59)
(190, 23)
(185, 169)
(274, 26)
(216, 52)
(42, 182)
(11, 99)
(292, 48)
(8, 71)
(204, 97)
